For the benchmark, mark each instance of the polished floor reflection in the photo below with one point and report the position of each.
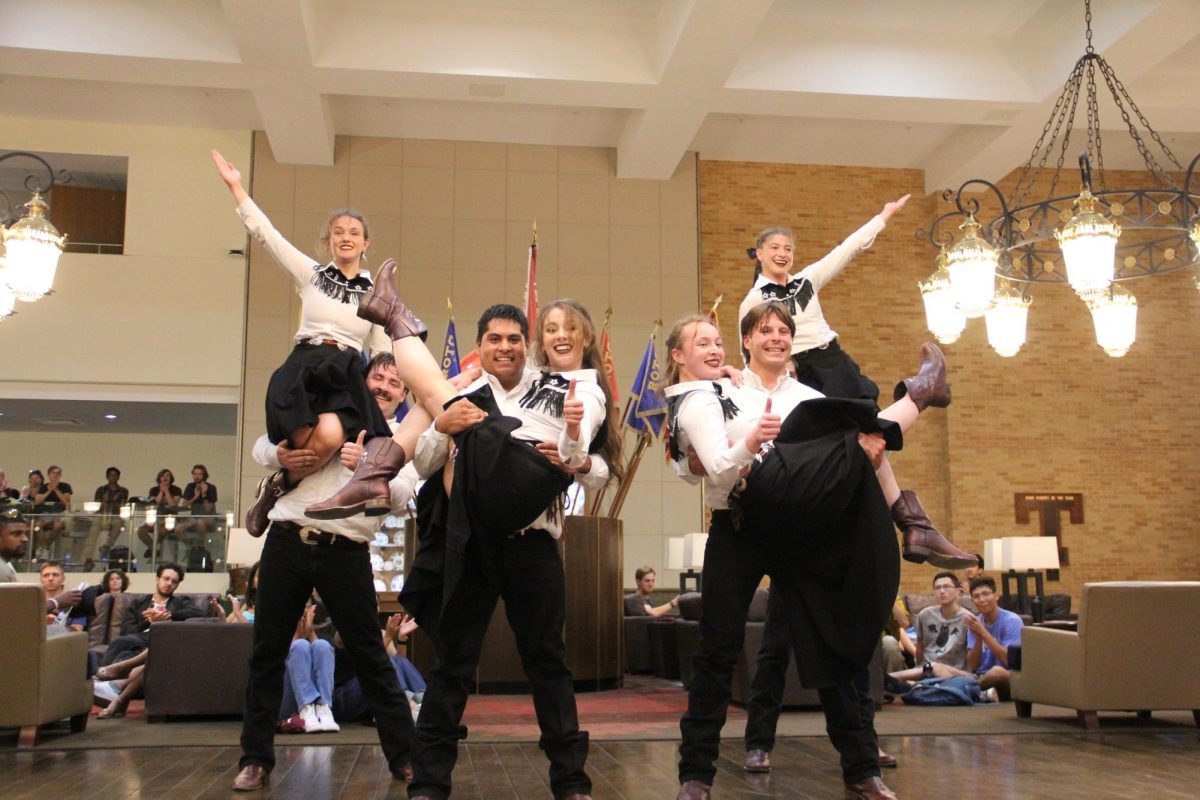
(1058, 766)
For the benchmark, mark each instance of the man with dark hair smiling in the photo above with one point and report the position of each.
(989, 636)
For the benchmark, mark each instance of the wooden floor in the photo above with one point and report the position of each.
(1058, 766)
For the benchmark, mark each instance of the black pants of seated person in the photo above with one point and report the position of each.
(766, 690)
(341, 573)
(527, 571)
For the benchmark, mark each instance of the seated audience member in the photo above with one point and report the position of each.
(201, 497)
(118, 683)
(308, 686)
(14, 546)
(899, 652)
(111, 496)
(67, 617)
(240, 610)
(53, 496)
(7, 491)
(970, 574)
(167, 496)
(36, 481)
(639, 603)
(349, 704)
(989, 636)
(114, 582)
(941, 636)
(161, 605)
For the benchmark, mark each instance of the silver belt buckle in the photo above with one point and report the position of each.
(307, 533)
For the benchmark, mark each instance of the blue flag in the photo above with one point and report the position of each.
(401, 410)
(647, 409)
(450, 365)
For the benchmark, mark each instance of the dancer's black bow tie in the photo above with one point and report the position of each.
(797, 289)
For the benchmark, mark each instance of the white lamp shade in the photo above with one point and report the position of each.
(1021, 553)
(1114, 315)
(675, 553)
(151, 516)
(972, 262)
(693, 550)
(943, 317)
(169, 523)
(1006, 321)
(126, 511)
(242, 548)
(91, 506)
(32, 246)
(1089, 246)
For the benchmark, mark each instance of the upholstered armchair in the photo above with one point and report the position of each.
(1135, 650)
(45, 679)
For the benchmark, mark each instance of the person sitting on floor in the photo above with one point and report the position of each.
(941, 637)
(989, 636)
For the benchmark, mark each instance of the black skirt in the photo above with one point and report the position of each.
(833, 373)
(318, 379)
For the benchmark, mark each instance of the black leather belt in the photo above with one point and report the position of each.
(831, 346)
(317, 537)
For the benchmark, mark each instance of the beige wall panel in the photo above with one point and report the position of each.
(639, 296)
(677, 197)
(634, 250)
(425, 243)
(588, 160)
(386, 236)
(375, 152)
(634, 202)
(480, 155)
(426, 153)
(480, 194)
(520, 234)
(583, 198)
(679, 251)
(426, 289)
(533, 196)
(375, 190)
(320, 190)
(428, 192)
(583, 248)
(532, 158)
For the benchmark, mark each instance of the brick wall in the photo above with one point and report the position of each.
(1061, 416)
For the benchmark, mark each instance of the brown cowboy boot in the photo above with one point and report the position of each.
(922, 542)
(928, 387)
(383, 307)
(367, 490)
(270, 489)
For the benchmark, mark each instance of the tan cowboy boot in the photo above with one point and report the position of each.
(383, 307)
(922, 542)
(928, 387)
(367, 491)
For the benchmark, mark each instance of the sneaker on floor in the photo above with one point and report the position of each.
(106, 691)
(896, 686)
(325, 718)
(990, 695)
(292, 724)
(312, 724)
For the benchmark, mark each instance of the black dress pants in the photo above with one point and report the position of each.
(341, 573)
(848, 706)
(527, 571)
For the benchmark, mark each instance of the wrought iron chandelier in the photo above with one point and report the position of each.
(1096, 240)
(32, 244)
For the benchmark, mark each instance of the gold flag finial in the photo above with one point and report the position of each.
(715, 304)
(449, 307)
(535, 231)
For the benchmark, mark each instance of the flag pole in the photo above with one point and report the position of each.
(712, 312)
(630, 470)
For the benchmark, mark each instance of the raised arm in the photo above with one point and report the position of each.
(823, 271)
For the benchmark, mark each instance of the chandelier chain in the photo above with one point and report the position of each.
(1028, 177)
(1087, 18)
(1094, 143)
(1120, 94)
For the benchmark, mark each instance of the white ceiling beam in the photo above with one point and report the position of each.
(706, 38)
(273, 39)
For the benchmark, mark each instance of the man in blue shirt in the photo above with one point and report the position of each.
(989, 636)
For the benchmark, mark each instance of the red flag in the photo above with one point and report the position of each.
(531, 298)
(606, 359)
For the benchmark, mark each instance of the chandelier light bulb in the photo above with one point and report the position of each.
(1089, 246)
(7, 299)
(1114, 315)
(32, 247)
(971, 263)
(1006, 321)
(944, 319)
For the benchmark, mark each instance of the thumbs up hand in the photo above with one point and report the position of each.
(765, 431)
(572, 411)
(352, 451)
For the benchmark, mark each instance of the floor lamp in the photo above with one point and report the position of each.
(1022, 558)
(686, 553)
